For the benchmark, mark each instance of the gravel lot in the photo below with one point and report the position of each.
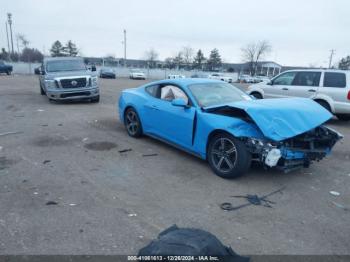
(114, 203)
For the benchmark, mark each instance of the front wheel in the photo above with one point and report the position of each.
(257, 95)
(95, 99)
(228, 157)
(132, 123)
(343, 117)
(42, 91)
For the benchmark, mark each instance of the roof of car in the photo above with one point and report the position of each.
(320, 70)
(46, 59)
(187, 81)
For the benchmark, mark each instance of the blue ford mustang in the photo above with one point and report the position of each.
(221, 124)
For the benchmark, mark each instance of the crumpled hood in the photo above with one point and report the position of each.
(280, 119)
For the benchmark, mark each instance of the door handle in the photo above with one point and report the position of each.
(284, 88)
(154, 107)
(311, 90)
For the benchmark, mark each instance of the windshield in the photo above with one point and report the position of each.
(65, 65)
(210, 94)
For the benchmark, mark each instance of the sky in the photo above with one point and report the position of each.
(301, 32)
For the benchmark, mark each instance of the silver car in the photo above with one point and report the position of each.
(330, 88)
(67, 78)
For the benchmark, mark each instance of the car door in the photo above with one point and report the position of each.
(335, 86)
(169, 122)
(279, 86)
(305, 84)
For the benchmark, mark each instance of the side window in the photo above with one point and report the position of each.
(170, 92)
(334, 80)
(307, 79)
(152, 90)
(285, 79)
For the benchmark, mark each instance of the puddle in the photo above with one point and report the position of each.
(6, 163)
(100, 146)
(45, 141)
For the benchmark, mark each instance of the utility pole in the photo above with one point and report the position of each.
(124, 48)
(9, 20)
(8, 41)
(331, 58)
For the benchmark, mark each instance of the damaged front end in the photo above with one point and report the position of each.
(295, 152)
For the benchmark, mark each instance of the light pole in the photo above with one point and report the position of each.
(8, 41)
(124, 42)
(9, 20)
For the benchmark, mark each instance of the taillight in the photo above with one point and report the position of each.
(349, 95)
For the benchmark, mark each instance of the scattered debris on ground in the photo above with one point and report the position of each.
(11, 133)
(340, 206)
(44, 125)
(334, 193)
(85, 139)
(40, 110)
(72, 204)
(252, 200)
(51, 203)
(146, 155)
(132, 215)
(46, 161)
(100, 146)
(125, 150)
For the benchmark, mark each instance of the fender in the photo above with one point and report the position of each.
(326, 98)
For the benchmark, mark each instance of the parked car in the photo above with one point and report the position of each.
(222, 77)
(107, 73)
(67, 78)
(258, 79)
(199, 75)
(5, 68)
(223, 125)
(246, 79)
(176, 76)
(329, 88)
(137, 74)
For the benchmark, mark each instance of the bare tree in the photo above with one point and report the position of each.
(187, 55)
(254, 52)
(24, 40)
(151, 57)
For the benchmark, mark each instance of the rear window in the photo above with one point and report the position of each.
(307, 79)
(334, 80)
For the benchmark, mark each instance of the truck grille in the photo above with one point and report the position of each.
(73, 83)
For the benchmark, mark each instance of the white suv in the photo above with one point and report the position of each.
(330, 88)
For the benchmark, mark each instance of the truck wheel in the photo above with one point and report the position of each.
(257, 95)
(42, 92)
(228, 157)
(343, 117)
(95, 99)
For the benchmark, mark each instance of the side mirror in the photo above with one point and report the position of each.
(37, 71)
(270, 83)
(179, 102)
(93, 68)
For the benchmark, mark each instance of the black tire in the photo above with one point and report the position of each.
(8, 73)
(257, 95)
(95, 99)
(325, 105)
(42, 91)
(343, 117)
(228, 157)
(132, 123)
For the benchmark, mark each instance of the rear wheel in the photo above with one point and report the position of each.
(228, 157)
(343, 117)
(257, 95)
(132, 123)
(325, 105)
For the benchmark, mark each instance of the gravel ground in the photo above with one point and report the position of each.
(115, 203)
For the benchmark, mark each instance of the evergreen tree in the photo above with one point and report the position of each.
(199, 59)
(70, 49)
(57, 49)
(344, 63)
(214, 60)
